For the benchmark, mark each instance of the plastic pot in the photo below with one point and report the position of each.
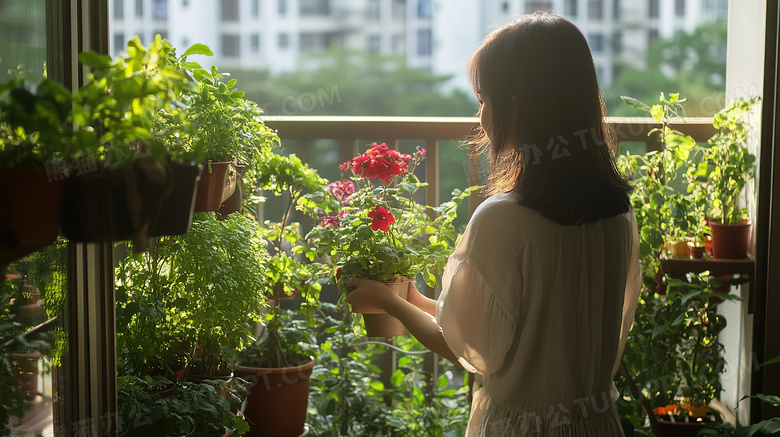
(730, 241)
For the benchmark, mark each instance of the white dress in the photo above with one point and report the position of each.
(540, 311)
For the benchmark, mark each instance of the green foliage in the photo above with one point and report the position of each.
(728, 165)
(158, 407)
(348, 399)
(694, 62)
(356, 83)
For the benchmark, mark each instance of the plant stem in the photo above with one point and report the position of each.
(641, 398)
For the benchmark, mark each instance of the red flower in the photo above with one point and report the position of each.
(381, 219)
(330, 222)
(341, 190)
(379, 162)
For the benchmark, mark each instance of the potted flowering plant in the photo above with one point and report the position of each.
(379, 231)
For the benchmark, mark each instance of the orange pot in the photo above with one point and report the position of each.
(382, 324)
(730, 241)
(217, 184)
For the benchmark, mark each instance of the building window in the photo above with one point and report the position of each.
(282, 8)
(231, 47)
(139, 8)
(373, 45)
(423, 42)
(532, 7)
(652, 8)
(399, 10)
(119, 42)
(372, 10)
(424, 9)
(596, 42)
(283, 41)
(617, 43)
(399, 44)
(652, 35)
(255, 8)
(185, 3)
(570, 8)
(254, 43)
(119, 10)
(716, 9)
(160, 9)
(616, 70)
(163, 34)
(314, 7)
(616, 10)
(229, 10)
(596, 9)
(679, 8)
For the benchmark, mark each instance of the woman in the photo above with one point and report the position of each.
(540, 293)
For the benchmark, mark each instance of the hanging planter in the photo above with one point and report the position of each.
(176, 211)
(730, 241)
(277, 399)
(217, 184)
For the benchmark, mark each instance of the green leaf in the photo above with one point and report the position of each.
(377, 385)
(657, 111)
(635, 103)
(95, 60)
(199, 49)
(772, 361)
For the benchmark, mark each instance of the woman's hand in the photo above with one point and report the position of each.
(371, 297)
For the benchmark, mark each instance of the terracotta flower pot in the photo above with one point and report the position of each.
(730, 241)
(277, 399)
(217, 184)
(382, 324)
(176, 211)
(680, 428)
(696, 252)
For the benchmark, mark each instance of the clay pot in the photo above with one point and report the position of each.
(730, 241)
(677, 249)
(380, 324)
(696, 252)
(30, 207)
(277, 399)
(217, 184)
(681, 429)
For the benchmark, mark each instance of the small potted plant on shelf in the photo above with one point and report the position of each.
(227, 129)
(728, 166)
(381, 232)
(279, 363)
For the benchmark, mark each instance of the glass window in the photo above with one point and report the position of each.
(314, 7)
(139, 8)
(255, 8)
(282, 8)
(423, 42)
(372, 10)
(616, 9)
(652, 35)
(596, 9)
(283, 41)
(424, 9)
(374, 44)
(596, 42)
(399, 10)
(254, 43)
(399, 44)
(160, 9)
(163, 34)
(617, 43)
(119, 10)
(679, 8)
(119, 42)
(652, 8)
(231, 47)
(570, 8)
(229, 10)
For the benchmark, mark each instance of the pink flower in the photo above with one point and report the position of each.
(341, 190)
(381, 219)
(330, 222)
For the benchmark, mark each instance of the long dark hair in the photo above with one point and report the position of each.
(548, 140)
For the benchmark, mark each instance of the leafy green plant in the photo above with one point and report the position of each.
(728, 165)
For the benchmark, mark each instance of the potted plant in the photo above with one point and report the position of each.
(124, 176)
(380, 232)
(33, 138)
(727, 168)
(227, 129)
(280, 362)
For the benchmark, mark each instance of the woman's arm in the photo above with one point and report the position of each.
(422, 324)
(420, 300)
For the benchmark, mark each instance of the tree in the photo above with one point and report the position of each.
(355, 83)
(693, 64)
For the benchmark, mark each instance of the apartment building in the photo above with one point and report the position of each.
(619, 31)
(278, 34)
